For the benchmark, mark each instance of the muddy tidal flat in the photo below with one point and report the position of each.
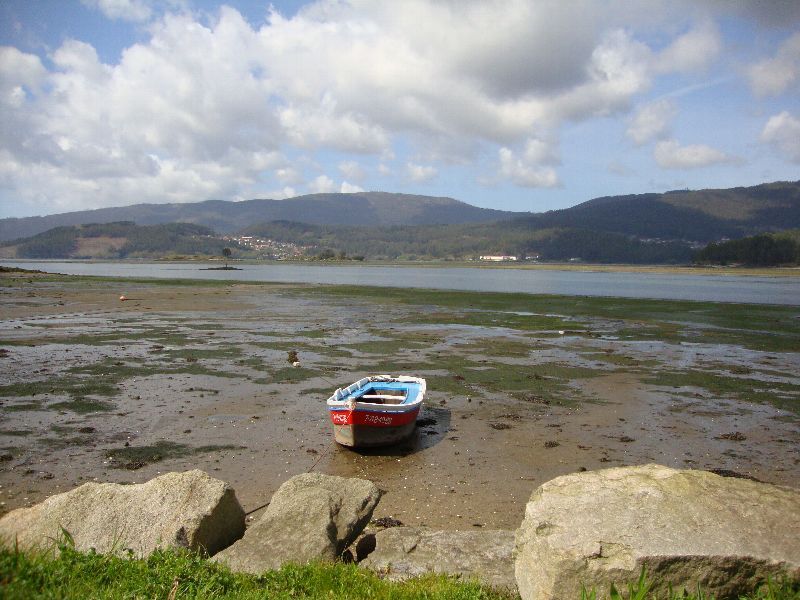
(522, 388)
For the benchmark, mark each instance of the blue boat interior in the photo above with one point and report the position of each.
(387, 392)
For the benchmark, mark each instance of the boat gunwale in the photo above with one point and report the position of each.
(347, 402)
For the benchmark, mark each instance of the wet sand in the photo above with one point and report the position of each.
(85, 377)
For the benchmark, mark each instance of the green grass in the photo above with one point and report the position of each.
(784, 589)
(182, 574)
(75, 575)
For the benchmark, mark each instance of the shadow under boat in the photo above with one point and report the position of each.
(431, 428)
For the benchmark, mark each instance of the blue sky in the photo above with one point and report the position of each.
(512, 104)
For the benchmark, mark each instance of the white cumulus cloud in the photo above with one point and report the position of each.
(524, 173)
(420, 173)
(349, 188)
(352, 170)
(651, 121)
(669, 154)
(322, 185)
(783, 132)
(126, 10)
(774, 75)
(695, 50)
(210, 105)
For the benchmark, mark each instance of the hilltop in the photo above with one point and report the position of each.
(368, 208)
(644, 228)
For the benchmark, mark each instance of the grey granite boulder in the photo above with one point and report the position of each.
(484, 555)
(310, 517)
(685, 527)
(190, 509)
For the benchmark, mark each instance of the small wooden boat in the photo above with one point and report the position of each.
(376, 411)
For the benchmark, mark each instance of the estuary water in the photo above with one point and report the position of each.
(664, 286)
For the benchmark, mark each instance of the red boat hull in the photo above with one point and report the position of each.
(372, 428)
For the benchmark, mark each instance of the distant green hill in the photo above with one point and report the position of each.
(702, 215)
(644, 228)
(366, 208)
(763, 250)
(514, 238)
(117, 240)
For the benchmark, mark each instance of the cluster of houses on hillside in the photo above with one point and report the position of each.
(267, 248)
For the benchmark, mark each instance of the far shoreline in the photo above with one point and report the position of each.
(741, 271)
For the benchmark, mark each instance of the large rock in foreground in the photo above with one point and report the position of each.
(311, 517)
(191, 510)
(684, 527)
(404, 552)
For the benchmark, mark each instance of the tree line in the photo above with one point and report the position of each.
(763, 250)
(139, 240)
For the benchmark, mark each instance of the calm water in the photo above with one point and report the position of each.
(721, 288)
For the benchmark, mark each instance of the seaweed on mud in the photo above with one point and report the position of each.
(16, 432)
(289, 375)
(60, 443)
(22, 407)
(203, 353)
(75, 387)
(136, 457)
(781, 395)
(83, 406)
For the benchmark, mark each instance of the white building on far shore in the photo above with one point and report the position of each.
(498, 258)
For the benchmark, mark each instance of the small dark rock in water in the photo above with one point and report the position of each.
(626, 440)
(187, 431)
(426, 422)
(312, 451)
(500, 426)
(387, 522)
(551, 444)
(292, 357)
(458, 377)
(45, 475)
(3, 352)
(582, 469)
(6, 457)
(729, 473)
(733, 436)
(86, 430)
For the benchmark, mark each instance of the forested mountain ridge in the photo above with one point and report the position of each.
(700, 215)
(366, 208)
(645, 228)
(117, 240)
